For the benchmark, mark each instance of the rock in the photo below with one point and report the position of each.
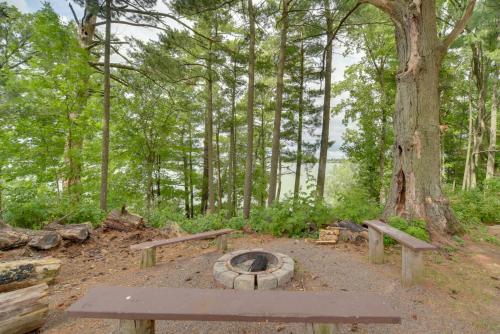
(266, 282)
(44, 240)
(73, 232)
(244, 282)
(122, 220)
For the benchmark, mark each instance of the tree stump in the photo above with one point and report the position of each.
(22, 311)
(122, 220)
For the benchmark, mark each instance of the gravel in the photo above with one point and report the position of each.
(424, 309)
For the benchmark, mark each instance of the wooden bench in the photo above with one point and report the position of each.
(412, 254)
(138, 308)
(148, 249)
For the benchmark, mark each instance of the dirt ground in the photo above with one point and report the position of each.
(460, 293)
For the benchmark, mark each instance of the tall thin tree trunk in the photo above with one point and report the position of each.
(106, 114)
(204, 185)
(278, 191)
(480, 75)
(325, 130)
(186, 177)
(262, 151)
(231, 192)
(247, 191)
(210, 155)
(279, 106)
(158, 176)
(490, 165)
(191, 186)
(298, 163)
(467, 169)
(219, 174)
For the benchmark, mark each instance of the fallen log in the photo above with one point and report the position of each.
(22, 273)
(122, 220)
(43, 240)
(22, 311)
(10, 238)
(73, 232)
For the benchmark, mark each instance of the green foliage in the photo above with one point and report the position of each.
(478, 205)
(356, 204)
(416, 228)
(292, 217)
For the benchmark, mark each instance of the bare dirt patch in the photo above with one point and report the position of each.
(460, 293)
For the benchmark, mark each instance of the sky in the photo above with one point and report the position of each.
(340, 62)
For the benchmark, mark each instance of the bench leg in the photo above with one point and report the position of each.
(136, 327)
(222, 242)
(375, 246)
(413, 266)
(322, 328)
(148, 258)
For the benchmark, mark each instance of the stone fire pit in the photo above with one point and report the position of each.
(233, 270)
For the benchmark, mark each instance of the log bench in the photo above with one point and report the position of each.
(148, 249)
(137, 308)
(412, 253)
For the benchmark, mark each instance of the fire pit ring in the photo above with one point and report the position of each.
(234, 271)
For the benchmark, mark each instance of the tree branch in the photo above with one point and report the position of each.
(384, 5)
(459, 27)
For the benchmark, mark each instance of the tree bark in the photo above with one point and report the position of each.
(219, 174)
(186, 178)
(416, 190)
(103, 200)
(467, 169)
(298, 163)
(20, 274)
(231, 192)
(325, 130)
(279, 105)
(191, 186)
(247, 191)
(210, 131)
(490, 165)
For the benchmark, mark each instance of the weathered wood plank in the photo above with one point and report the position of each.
(148, 258)
(413, 266)
(400, 236)
(375, 246)
(136, 327)
(164, 242)
(233, 305)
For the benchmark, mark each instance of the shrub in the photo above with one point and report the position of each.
(416, 228)
(355, 204)
(478, 205)
(292, 217)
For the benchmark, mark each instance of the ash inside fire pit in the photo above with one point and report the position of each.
(253, 269)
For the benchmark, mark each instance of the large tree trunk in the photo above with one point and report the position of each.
(325, 130)
(247, 191)
(490, 165)
(103, 200)
(219, 173)
(416, 190)
(279, 106)
(298, 163)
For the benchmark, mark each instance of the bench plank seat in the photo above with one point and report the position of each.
(164, 242)
(400, 236)
(140, 303)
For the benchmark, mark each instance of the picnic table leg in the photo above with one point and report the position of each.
(322, 328)
(375, 245)
(148, 258)
(413, 266)
(136, 327)
(222, 242)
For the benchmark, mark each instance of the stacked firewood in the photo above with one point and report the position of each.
(23, 291)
